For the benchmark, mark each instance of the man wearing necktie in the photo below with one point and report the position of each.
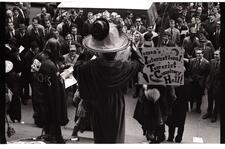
(199, 67)
(173, 32)
(213, 86)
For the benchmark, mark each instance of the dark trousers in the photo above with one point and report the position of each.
(179, 135)
(198, 92)
(25, 81)
(213, 97)
(210, 101)
(53, 133)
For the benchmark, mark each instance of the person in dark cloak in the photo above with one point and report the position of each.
(49, 91)
(102, 81)
(179, 108)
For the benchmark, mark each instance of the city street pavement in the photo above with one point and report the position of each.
(195, 126)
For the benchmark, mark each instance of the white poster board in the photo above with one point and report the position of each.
(163, 66)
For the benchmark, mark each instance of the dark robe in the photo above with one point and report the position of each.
(102, 83)
(49, 93)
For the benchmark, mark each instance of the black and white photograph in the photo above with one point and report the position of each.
(112, 72)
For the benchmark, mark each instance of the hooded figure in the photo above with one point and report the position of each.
(102, 81)
(49, 92)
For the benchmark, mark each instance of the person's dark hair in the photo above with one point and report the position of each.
(52, 48)
(148, 36)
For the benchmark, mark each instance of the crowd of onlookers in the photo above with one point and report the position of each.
(193, 26)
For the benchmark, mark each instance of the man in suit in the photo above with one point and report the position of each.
(207, 47)
(43, 16)
(37, 34)
(128, 20)
(213, 86)
(75, 36)
(139, 26)
(17, 17)
(88, 24)
(48, 30)
(190, 42)
(199, 68)
(173, 32)
(10, 32)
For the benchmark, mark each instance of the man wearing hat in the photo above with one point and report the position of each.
(102, 81)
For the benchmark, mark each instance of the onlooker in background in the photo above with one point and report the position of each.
(210, 26)
(24, 9)
(75, 36)
(199, 68)
(128, 20)
(206, 46)
(138, 25)
(216, 14)
(37, 34)
(66, 27)
(9, 16)
(48, 30)
(173, 32)
(10, 31)
(87, 25)
(183, 28)
(213, 86)
(17, 17)
(31, 26)
(216, 36)
(22, 38)
(190, 42)
(62, 20)
(43, 16)
(80, 21)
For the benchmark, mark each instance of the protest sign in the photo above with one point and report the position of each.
(163, 66)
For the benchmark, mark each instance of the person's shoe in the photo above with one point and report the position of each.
(178, 140)
(205, 116)
(213, 120)
(169, 140)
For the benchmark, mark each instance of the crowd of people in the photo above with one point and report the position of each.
(54, 41)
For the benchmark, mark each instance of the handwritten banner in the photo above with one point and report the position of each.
(163, 66)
